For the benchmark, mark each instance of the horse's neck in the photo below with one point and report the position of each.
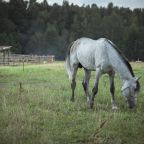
(123, 70)
(119, 63)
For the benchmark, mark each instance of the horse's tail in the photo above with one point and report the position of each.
(67, 63)
(68, 66)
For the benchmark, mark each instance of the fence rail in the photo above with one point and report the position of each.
(16, 59)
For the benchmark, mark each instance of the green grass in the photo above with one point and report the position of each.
(41, 112)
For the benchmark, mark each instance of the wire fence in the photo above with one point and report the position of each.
(17, 59)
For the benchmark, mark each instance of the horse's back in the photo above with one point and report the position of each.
(91, 53)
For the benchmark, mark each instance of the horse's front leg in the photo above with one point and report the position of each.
(112, 90)
(95, 89)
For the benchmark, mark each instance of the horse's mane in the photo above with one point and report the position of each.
(125, 60)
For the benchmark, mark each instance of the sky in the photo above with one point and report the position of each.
(121, 3)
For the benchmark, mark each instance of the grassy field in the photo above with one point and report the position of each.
(40, 112)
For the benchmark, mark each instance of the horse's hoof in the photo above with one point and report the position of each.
(114, 108)
(72, 99)
(88, 105)
(91, 105)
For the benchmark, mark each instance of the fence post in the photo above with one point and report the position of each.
(8, 56)
(3, 57)
(23, 63)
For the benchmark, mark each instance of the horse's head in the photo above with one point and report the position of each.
(130, 91)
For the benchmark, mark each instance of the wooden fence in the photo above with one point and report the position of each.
(17, 59)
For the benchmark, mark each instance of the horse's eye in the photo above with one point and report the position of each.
(135, 89)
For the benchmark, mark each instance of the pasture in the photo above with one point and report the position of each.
(35, 109)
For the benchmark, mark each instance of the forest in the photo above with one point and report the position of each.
(44, 29)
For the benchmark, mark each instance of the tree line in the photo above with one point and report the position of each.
(39, 28)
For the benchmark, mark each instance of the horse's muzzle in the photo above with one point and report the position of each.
(131, 104)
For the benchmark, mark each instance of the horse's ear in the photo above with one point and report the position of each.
(137, 78)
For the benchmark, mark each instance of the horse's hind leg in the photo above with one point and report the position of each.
(85, 84)
(73, 81)
(112, 90)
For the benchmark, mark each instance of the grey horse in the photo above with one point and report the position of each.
(101, 56)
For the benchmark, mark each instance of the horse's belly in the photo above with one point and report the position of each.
(88, 66)
(87, 61)
(92, 63)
